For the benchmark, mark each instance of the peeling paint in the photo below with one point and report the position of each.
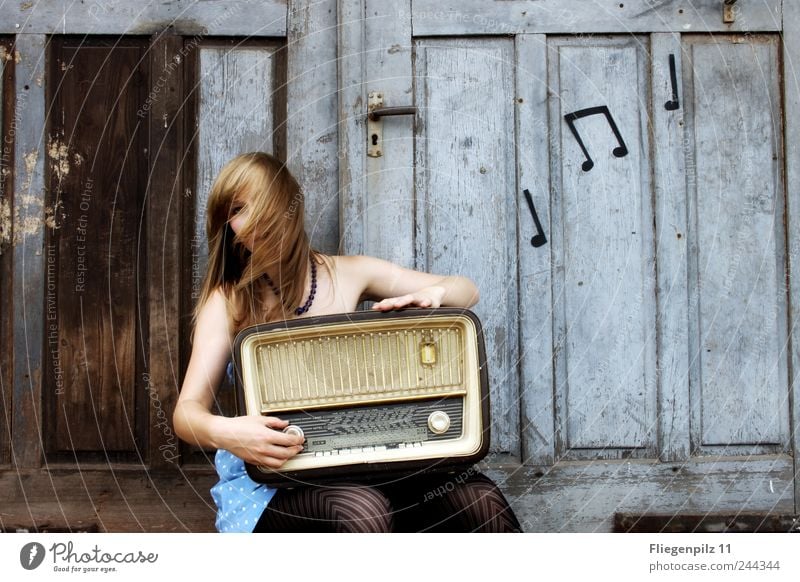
(30, 163)
(26, 6)
(17, 57)
(59, 158)
(5, 223)
(4, 55)
(25, 226)
(28, 200)
(50, 216)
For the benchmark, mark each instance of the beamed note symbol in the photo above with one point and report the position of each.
(620, 151)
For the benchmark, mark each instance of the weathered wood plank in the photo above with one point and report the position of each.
(791, 101)
(312, 126)
(27, 250)
(137, 501)
(466, 184)
(606, 389)
(236, 114)
(352, 105)
(459, 17)
(738, 522)
(185, 17)
(7, 131)
(389, 207)
(739, 302)
(535, 264)
(581, 497)
(163, 246)
(96, 184)
(669, 181)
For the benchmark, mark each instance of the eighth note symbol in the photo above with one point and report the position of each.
(538, 239)
(675, 102)
(620, 151)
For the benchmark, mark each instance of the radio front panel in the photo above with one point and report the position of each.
(369, 391)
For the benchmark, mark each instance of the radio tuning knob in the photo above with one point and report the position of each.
(439, 422)
(295, 430)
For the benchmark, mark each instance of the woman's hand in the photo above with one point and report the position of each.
(426, 297)
(259, 440)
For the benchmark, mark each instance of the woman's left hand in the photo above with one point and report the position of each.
(426, 297)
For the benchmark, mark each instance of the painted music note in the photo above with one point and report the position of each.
(673, 103)
(620, 151)
(538, 239)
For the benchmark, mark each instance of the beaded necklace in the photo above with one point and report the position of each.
(307, 305)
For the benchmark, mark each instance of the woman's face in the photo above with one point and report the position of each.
(239, 215)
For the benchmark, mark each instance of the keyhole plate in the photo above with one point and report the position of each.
(374, 127)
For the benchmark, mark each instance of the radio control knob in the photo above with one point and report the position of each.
(294, 429)
(439, 422)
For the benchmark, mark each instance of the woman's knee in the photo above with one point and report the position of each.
(360, 509)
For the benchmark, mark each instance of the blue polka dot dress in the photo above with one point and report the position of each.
(240, 500)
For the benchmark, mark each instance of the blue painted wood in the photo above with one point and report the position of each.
(604, 284)
(466, 194)
(738, 318)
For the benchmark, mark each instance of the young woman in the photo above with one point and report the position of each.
(261, 268)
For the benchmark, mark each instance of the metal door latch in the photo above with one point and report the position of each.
(375, 111)
(729, 11)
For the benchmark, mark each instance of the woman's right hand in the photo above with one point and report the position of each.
(259, 440)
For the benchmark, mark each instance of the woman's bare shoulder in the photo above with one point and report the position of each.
(213, 315)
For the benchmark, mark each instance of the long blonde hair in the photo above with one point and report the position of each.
(275, 226)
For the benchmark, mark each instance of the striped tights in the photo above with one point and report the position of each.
(413, 504)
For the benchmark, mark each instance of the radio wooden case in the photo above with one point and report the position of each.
(375, 394)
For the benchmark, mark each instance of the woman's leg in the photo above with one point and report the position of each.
(334, 508)
(469, 502)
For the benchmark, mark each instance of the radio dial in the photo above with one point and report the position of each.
(294, 429)
(439, 422)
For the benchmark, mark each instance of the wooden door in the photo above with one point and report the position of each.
(640, 360)
(110, 144)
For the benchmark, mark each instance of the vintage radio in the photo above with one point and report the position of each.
(373, 393)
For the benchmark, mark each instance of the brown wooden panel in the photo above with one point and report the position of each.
(7, 131)
(164, 201)
(96, 182)
(136, 501)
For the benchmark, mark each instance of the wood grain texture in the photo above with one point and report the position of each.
(184, 17)
(96, 184)
(567, 497)
(669, 181)
(535, 264)
(739, 320)
(352, 105)
(466, 196)
(236, 114)
(312, 124)
(605, 285)
(27, 251)
(438, 18)
(791, 101)
(136, 500)
(581, 497)
(163, 247)
(6, 266)
(389, 206)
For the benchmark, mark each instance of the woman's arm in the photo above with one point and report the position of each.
(255, 439)
(394, 286)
